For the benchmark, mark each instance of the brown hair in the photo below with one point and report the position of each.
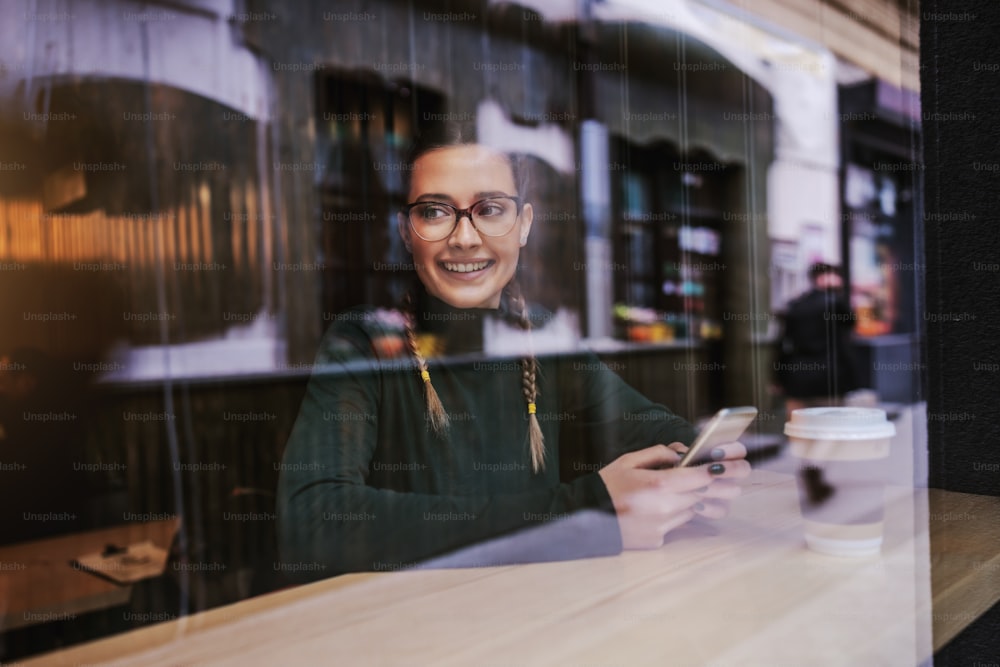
(458, 135)
(449, 134)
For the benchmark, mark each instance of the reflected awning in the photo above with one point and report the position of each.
(654, 83)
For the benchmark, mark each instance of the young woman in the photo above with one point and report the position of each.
(398, 456)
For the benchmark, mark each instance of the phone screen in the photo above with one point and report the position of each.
(727, 425)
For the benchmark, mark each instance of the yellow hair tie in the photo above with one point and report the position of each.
(425, 375)
(531, 408)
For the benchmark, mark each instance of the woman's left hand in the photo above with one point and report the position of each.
(714, 503)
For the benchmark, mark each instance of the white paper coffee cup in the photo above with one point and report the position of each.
(841, 477)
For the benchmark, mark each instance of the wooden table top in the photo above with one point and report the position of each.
(741, 591)
(965, 559)
(38, 584)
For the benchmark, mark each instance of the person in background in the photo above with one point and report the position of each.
(403, 452)
(817, 362)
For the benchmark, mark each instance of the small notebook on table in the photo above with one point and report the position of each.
(125, 565)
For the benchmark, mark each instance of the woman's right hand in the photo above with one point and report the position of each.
(650, 502)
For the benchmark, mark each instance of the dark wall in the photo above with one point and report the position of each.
(960, 83)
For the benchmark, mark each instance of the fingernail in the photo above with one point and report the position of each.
(718, 453)
(716, 469)
(698, 507)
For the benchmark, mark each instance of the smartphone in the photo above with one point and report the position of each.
(726, 426)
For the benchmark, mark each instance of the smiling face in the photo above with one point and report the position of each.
(466, 269)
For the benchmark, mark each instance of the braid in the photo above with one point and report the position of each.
(529, 385)
(435, 411)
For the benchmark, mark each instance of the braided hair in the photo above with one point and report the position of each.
(529, 381)
(436, 413)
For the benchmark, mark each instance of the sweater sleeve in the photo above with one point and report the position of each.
(610, 415)
(331, 520)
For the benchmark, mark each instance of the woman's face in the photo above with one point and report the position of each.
(462, 176)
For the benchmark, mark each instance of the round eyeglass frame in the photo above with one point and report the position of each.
(460, 213)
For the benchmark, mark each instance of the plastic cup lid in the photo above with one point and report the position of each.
(840, 424)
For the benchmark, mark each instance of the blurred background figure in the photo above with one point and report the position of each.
(817, 362)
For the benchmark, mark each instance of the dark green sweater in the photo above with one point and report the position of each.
(366, 485)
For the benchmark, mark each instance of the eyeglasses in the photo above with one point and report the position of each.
(435, 221)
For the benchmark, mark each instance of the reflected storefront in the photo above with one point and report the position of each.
(690, 135)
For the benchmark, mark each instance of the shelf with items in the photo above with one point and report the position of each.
(667, 234)
(639, 324)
